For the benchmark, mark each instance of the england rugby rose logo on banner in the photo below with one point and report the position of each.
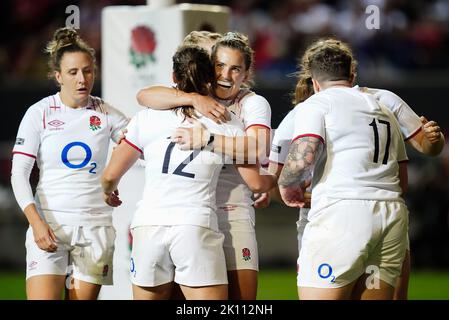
(143, 44)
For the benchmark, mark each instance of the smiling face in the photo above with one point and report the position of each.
(230, 72)
(76, 78)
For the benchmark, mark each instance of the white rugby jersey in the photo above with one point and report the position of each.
(70, 147)
(280, 145)
(363, 145)
(283, 135)
(180, 185)
(233, 195)
(408, 120)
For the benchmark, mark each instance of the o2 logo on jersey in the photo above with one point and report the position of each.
(85, 162)
(325, 272)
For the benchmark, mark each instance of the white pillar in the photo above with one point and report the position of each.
(160, 3)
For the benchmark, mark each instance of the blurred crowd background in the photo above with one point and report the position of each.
(408, 54)
(413, 35)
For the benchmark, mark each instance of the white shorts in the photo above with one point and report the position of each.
(301, 225)
(351, 237)
(240, 244)
(302, 222)
(83, 251)
(186, 254)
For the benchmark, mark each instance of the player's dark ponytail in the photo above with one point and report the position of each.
(193, 72)
(303, 89)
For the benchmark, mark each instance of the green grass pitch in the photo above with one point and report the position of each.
(274, 284)
(281, 285)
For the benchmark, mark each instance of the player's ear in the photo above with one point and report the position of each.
(58, 77)
(173, 77)
(352, 79)
(245, 79)
(316, 86)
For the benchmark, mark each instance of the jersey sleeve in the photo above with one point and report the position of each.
(29, 133)
(282, 138)
(256, 111)
(309, 119)
(20, 180)
(25, 152)
(401, 150)
(396, 130)
(132, 135)
(118, 122)
(409, 121)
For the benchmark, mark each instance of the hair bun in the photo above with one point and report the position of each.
(65, 36)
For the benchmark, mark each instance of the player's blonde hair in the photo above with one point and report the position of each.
(193, 72)
(304, 86)
(198, 37)
(65, 40)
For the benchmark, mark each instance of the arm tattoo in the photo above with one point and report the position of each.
(300, 160)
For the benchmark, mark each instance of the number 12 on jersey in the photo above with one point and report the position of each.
(179, 169)
(376, 140)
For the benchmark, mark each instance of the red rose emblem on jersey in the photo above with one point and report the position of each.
(94, 123)
(246, 254)
(143, 44)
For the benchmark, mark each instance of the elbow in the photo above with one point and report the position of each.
(257, 188)
(265, 184)
(140, 97)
